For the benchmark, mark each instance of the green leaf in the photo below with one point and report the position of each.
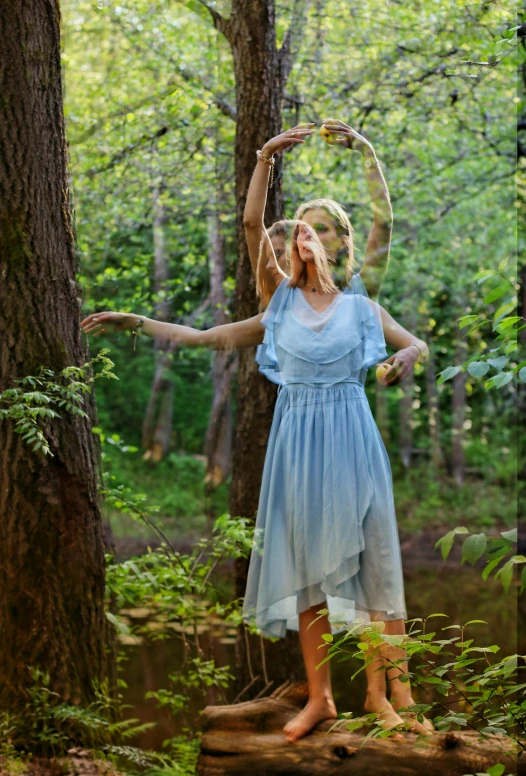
(474, 547)
(510, 536)
(448, 373)
(502, 379)
(496, 770)
(121, 626)
(522, 374)
(478, 368)
(496, 293)
(498, 363)
(484, 274)
(466, 320)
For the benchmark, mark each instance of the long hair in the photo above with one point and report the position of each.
(297, 267)
(343, 227)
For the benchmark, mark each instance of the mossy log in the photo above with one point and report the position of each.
(247, 738)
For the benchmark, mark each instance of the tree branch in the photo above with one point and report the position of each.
(289, 48)
(220, 23)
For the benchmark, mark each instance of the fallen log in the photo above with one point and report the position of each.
(247, 739)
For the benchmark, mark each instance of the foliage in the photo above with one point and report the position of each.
(30, 409)
(504, 329)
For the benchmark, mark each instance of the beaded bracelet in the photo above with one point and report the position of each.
(269, 161)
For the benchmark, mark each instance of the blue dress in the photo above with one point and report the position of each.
(326, 527)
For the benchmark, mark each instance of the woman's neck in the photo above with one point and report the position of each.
(312, 278)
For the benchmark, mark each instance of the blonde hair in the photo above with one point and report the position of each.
(298, 268)
(343, 228)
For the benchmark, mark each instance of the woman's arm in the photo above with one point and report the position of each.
(257, 191)
(229, 336)
(410, 349)
(379, 240)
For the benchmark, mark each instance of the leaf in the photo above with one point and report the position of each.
(506, 575)
(466, 320)
(474, 547)
(484, 274)
(510, 536)
(499, 362)
(522, 374)
(478, 368)
(121, 626)
(496, 293)
(446, 542)
(496, 770)
(503, 378)
(448, 373)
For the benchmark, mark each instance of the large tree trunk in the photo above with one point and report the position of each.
(157, 425)
(260, 71)
(52, 559)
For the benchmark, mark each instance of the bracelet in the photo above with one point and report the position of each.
(420, 360)
(270, 161)
(137, 329)
(371, 162)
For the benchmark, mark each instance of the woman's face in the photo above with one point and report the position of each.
(280, 249)
(304, 238)
(280, 257)
(325, 226)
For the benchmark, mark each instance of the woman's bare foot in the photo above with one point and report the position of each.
(387, 716)
(315, 711)
(425, 728)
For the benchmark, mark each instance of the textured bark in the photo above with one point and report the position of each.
(260, 72)
(433, 414)
(247, 738)
(158, 419)
(459, 414)
(52, 560)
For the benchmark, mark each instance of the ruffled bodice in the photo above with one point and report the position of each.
(303, 346)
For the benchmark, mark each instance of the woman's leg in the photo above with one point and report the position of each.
(321, 703)
(376, 698)
(400, 692)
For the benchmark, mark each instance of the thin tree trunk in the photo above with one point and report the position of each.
(405, 419)
(218, 441)
(459, 414)
(52, 561)
(433, 414)
(158, 419)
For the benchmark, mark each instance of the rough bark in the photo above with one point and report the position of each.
(158, 419)
(260, 73)
(52, 560)
(247, 738)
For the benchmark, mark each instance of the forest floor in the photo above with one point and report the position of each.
(78, 763)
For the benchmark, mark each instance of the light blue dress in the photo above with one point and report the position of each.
(326, 526)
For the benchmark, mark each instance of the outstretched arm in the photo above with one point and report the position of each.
(229, 336)
(257, 191)
(410, 349)
(379, 240)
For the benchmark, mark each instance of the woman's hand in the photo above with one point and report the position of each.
(402, 364)
(347, 136)
(287, 139)
(100, 323)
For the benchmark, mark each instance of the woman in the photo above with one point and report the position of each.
(354, 327)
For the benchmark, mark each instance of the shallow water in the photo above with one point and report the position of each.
(451, 589)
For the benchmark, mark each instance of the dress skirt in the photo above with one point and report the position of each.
(326, 528)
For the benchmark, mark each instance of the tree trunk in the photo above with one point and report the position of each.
(433, 414)
(158, 419)
(260, 72)
(459, 414)
(218, 441)
(52, 561)
(248, 738)
(405, 419)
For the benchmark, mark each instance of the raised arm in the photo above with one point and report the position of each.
(229, 336)
(257, 191)
(379, 240)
